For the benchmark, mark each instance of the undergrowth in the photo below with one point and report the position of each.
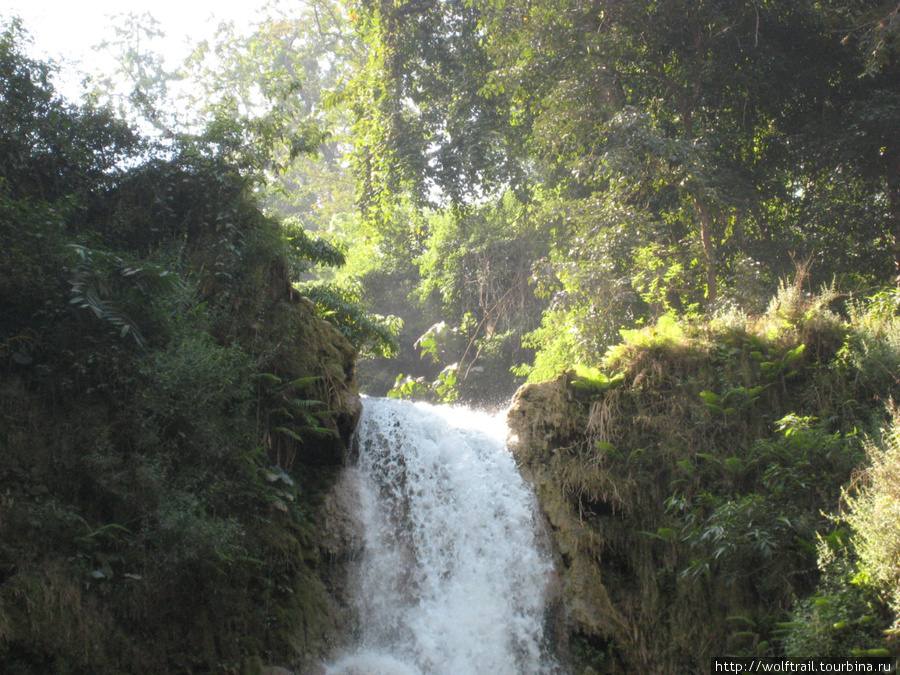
(171, 412)
(697, 467)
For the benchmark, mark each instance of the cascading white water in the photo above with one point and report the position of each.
(453, 580)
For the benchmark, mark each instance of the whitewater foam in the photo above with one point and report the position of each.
(454, 579)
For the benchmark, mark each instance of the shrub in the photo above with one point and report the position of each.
(873, 512)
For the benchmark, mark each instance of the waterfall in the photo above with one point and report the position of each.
(453, 580)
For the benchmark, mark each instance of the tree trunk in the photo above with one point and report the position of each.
(709, 252)
(893, 190)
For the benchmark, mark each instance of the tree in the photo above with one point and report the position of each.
(56, 162)
(655, 108)
(160, 378)
(857, 143)
(281, 79)
(425, 128)
(140, 89)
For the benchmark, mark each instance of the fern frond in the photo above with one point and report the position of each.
(290, 433)
(302, 382)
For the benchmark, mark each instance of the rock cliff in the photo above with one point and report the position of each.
(684, 486)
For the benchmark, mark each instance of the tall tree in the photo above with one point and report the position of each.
(282, 78)
(424, 126)
(861, 148)
(658, 108)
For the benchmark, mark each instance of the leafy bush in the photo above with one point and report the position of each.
(871, 510)
(340, 303)
(773, 517)
(843, 617)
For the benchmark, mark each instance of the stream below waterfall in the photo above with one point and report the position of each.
(454, 577)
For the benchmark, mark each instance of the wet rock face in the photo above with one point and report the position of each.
(341, 539)
(545, 418)
(342, 528)
(308, 346)
(548, 423)
(330, 354)
(540, 415)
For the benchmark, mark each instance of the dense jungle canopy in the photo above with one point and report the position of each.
(505, 170)
(648, 157)
(443, 199)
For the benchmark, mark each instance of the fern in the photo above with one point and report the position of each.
(666, 331)
(290, 433)
(102, 281)
(340, 306)
(309, 250)
(593, 379)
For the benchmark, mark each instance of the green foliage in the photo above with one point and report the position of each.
(139, 87)
(870, 510)
(594, 379)
(842, 618)
(735, 401)
(144, 486)
(444, 389)
(479, 260)
(105, 284)
(467, 271)
(436, 344)
(781, 483)
(187, 387)
(666, 332)
(590, 298)
(311, 249)
(427, 138)
(870, 353)
(558, 344)
(695, 467)
(793, 308)
(588, 655)
(340, 304)
(670, 157)
(277, 81)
